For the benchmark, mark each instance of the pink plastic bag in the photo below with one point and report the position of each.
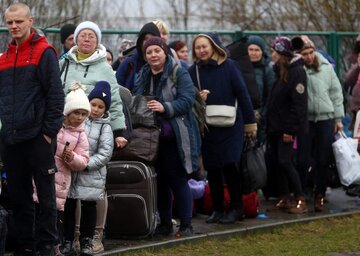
(355, 96)
(295, 143)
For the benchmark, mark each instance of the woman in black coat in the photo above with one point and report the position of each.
(285, 119)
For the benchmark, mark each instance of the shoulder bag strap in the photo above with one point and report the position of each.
(198, 76)
(65, 67)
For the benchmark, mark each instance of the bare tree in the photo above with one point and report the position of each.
(55, 13)
(201, 15)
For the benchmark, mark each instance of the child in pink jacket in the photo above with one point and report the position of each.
(75, 155)
(72, 153)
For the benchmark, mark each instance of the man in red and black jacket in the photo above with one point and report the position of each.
(31, 105)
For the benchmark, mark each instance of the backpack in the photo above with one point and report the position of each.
(198, 108)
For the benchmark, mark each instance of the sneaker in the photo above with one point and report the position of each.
(300, 207)
(57, 250)
(76, 242)
(67, 248)
(97, 244)
(184, 231)
(46, 250)
(164, 230)
(86, 246)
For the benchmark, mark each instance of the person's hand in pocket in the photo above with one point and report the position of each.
(47, 138)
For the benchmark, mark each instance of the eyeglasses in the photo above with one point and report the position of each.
(90, 37)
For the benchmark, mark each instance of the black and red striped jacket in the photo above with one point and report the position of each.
(31, 94)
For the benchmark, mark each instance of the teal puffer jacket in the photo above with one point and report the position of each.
(325, 97)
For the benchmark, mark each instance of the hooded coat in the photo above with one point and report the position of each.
(128, 70)
(222, 77)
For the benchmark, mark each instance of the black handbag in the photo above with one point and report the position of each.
(143, 146)
(141, 115)
(253, 167)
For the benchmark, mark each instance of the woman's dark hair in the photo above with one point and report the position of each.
(177, 45)
(284, 64)
(109, 51)
(356, 49)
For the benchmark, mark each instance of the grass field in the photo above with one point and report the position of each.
(316, 238)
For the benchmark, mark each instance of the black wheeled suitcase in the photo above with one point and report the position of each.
(132, 200)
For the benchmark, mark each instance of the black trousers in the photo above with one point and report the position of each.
(3, 229)
(216, 180)
(282, 155)
(87, 222)
(25, 162)
(317, 143)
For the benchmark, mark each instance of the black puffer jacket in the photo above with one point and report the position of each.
(287, 102)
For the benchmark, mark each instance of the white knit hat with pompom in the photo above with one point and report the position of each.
(76, 99)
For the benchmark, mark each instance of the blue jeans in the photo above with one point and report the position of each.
(316, 146)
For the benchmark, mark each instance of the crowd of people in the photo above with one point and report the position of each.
(63, 116)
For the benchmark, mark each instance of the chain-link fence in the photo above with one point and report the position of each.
(338, 45)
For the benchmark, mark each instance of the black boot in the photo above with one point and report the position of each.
(231, 217)
(86, 246)
(214, 217)
(164, 230)
(46, 250)
(24, 252)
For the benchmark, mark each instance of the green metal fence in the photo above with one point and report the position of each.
(337, 44)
